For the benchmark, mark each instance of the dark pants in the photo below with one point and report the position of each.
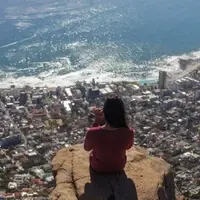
(106, 185)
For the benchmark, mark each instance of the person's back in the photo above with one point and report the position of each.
(110, 141)
(109, 148)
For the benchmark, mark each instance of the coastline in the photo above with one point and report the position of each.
(65, 83)
(139, 83)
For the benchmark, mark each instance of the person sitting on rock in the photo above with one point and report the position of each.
(109, 138)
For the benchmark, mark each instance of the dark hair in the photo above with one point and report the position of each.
(114, 113)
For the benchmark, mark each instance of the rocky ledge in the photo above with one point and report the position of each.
(151, 177)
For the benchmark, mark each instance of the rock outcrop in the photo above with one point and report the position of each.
(151, 176)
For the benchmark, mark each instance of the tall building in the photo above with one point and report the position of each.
(162, 79)
(93, 83)
(93, 93)
(197, 95)
(58, 91)
(23, 98)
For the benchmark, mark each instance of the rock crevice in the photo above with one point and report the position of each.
(73, 178)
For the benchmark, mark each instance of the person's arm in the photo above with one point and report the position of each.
(99, 118)
(131, 140)
(88, 143)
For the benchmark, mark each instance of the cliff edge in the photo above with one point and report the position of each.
(149, 176)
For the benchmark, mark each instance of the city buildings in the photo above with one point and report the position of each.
(36, 122)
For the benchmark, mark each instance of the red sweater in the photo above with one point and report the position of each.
(108, 148)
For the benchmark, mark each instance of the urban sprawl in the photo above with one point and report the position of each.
(36, 122)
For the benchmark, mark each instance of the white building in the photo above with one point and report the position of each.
(68, 92)
(12, 185)
(103, 91)
(136, 87)
(106, 91)
(66, 105)
(109, 90)
(49, 178)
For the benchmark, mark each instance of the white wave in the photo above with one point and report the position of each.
(27, 47)
(101, 70)
(17, 42)
(22, 25)
(65, 80)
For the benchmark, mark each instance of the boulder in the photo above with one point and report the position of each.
(145, 177)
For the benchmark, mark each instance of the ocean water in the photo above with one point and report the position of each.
(59, 42)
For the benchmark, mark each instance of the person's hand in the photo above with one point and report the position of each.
(99, 117)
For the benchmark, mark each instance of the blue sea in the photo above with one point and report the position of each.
(58, 42)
